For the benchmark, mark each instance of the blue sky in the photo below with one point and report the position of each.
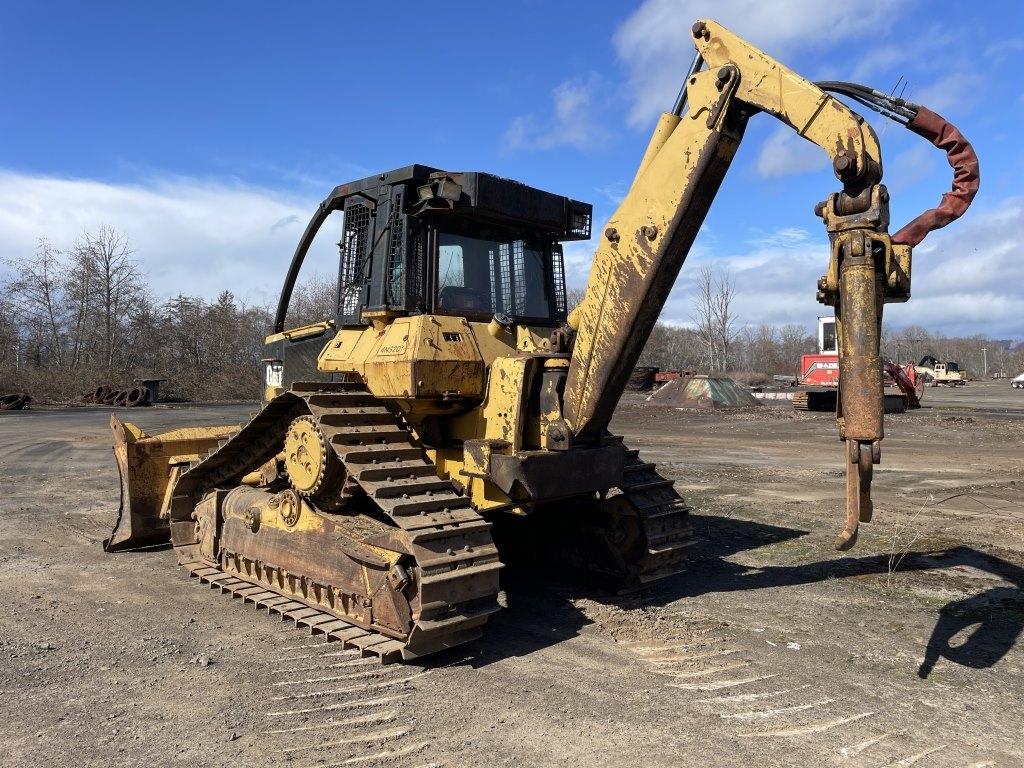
(208, 131)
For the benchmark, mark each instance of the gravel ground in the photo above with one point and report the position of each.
(772, 650)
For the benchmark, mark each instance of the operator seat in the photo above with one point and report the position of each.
(456, 298)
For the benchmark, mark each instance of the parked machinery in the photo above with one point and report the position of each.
(819, 372)
(452, 390)
(938, 374)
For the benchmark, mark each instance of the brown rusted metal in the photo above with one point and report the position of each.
(861, 396)
(858, 322)
(859, 472)
(14, 402)
(642, 379)
(863, 274)
(131, 397)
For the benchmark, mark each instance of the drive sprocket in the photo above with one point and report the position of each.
(314, 469)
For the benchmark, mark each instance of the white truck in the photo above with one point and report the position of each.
(1018, 383)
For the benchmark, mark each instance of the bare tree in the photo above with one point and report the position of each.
(704, 314)
(107, 254)
(714, 316)
(70, 320)
(573, 297)
(10, 341)
(725, 316)
(314, 299)
(79, 289)
(36, 288)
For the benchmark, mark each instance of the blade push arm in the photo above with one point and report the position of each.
(649, 236)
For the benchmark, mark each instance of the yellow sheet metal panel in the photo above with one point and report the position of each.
(448, 361)
(508, 388)
(394, 341)
(342, 348)
(294, 334)
(427, 356)
(148, 464)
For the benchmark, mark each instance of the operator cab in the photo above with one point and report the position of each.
(418, 240)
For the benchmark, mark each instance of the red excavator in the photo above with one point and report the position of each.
(820, 373)
(905, 378)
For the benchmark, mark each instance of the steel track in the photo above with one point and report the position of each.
(456, 563)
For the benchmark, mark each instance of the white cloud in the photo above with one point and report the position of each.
(578, 257)
(911, 166)
(191, 236)
(967, 279)
(776, 278)
(787, 237)
(1000, 49)
(784, 153)
(926, 49)
(571, 124)
(959, 90)
(656, 45)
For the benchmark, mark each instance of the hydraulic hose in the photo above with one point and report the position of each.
(940, 132)
(966, 176)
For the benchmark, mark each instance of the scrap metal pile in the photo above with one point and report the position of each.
(14, 402)
(134, 397)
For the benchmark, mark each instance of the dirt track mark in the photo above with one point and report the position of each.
(341, 709)
(797, 711)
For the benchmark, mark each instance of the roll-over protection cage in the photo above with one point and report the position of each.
(388, 246)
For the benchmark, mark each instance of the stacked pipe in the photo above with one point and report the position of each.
(135, 397)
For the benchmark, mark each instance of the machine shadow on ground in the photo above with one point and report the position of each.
(541, 611)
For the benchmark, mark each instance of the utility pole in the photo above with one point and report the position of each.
(984, 352)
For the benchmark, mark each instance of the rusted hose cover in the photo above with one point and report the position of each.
(966, 176)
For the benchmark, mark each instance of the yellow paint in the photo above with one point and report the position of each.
(666, 177)
(303, 454)
(384, 554)
(152, 463)
(302, 332)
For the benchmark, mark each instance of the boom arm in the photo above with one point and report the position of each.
(649, 236)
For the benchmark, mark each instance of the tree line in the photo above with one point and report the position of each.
(71, 320)
(76, 318)
(716, 341)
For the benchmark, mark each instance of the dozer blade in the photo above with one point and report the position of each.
(149, 466)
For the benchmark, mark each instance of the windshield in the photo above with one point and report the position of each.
(490, 277)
